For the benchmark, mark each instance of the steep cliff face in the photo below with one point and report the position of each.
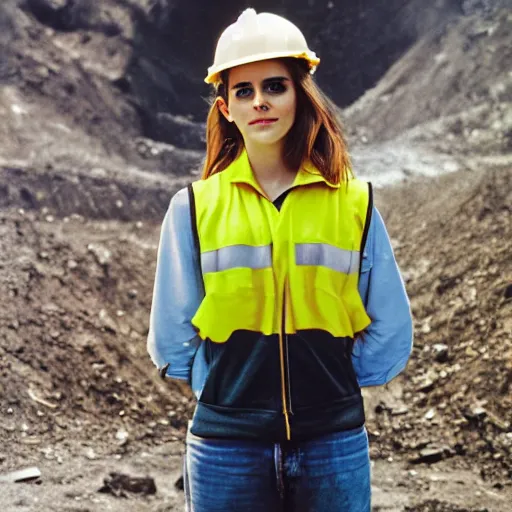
(85, 83)
(357, 42)
(453, 87)
(156, 51)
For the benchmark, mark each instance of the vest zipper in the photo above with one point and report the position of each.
(290, 411)
(285, 382)
(284, 361)
(283, 388)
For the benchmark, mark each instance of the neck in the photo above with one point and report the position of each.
(268, 165)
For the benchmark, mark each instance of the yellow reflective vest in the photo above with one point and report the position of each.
(274, 271)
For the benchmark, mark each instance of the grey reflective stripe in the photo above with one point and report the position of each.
(236, 256)
(326, 255)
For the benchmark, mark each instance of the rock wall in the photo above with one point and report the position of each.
(357, 42)
(170, 44)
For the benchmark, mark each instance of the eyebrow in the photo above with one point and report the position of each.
(241, 85)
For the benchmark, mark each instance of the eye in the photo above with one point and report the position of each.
(276, 87)
(243, 92)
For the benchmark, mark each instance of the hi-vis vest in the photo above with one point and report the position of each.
(278, 272)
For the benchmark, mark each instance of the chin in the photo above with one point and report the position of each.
(268, 139)
(267, 142)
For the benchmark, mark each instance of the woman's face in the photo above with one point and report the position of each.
(261, 102)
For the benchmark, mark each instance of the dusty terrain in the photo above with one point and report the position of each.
(81, 202)
(79, 397)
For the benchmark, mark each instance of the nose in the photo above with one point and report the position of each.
(259, 103)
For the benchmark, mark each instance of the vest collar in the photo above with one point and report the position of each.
(240, 171)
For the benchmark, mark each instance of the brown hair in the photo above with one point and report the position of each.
(316, 134)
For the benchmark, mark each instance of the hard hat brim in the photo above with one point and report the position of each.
(214, 71)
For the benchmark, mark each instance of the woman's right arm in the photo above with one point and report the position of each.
(177, 294)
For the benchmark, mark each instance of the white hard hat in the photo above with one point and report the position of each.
(257, 37)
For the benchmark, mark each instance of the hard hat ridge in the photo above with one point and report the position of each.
(247, 15)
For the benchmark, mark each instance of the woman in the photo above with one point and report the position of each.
(277, 295)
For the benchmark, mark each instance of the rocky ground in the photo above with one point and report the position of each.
(80, 398)
(453, 239)
(81, 203)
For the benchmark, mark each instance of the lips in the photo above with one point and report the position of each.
(264, 121)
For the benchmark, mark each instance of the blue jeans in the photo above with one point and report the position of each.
(327, 474)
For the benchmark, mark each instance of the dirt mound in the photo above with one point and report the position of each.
(75, 298)
(94, 193)
(453, 238)
(451, 90)
(64, 96)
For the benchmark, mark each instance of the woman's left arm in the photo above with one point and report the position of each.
(383, 350)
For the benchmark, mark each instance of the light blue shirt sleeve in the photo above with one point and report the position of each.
(177, 293)
(384, 348)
